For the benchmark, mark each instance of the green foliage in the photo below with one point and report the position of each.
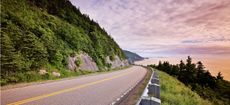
(112, 57)
(219, 76)
(29, 76)
(109, 66)
(200, 80)
(78, 61)
(173, 92)
(36, 33)
(8, 58)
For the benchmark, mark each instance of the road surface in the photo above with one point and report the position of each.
(100, 89)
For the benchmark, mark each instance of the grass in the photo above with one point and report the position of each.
(173, 92)
(30, 78)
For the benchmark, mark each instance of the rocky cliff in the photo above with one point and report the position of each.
(87, 63)
(116, 62)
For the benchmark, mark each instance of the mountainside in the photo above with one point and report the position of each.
(132, 56)
(52, 35)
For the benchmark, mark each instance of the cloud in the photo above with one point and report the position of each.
(164, 26)
(210, 50)
(207, 40)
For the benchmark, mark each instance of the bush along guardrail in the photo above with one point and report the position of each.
(151, 94)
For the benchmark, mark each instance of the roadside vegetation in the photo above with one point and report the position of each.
(213, 88)
(37, 79)
(41, 34)
(173, 92)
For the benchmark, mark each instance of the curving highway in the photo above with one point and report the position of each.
(98, 89)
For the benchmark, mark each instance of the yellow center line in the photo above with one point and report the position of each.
(64, 90)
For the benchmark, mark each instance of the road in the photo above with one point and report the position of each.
(99, 89)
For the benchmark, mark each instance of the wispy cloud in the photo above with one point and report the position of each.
(207, 40)
(161, 27)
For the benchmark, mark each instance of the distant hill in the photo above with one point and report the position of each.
(132, 56)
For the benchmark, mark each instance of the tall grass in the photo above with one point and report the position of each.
(173, 92)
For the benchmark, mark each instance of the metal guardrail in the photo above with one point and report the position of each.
(151, 94)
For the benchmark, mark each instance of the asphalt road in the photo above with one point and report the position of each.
(100, 89)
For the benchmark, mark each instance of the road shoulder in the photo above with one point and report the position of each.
(20, 85)
(133, 96)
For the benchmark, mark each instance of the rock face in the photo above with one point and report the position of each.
(56, 74)
(87, 62)
(71, 63)
(42, 72)
(117, 62)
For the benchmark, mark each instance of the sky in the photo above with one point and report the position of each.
(159, 28)
(168, 29)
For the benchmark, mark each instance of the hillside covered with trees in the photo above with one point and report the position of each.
(131, 56)
(37, 34)
(195, 76)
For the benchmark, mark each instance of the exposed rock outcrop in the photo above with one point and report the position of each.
(71, 63)
(42, 72)
(117, 62)
(87, 62)
(56, 74)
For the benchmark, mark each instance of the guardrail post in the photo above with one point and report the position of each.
(155, 80)
(150, 101)
(154, 90)
(151, 94)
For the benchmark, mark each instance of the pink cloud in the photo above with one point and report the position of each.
(164, 24)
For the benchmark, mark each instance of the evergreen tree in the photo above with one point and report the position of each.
(166, 67)
(190, 71)
(181, 66)
(159, 65)
(181, 75)
(175, 70)
(200, 73)
(207, 86)
(8, 64)
(33, 50)
(209, 80)
(219, 76)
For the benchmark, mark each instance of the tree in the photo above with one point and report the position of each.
(209, 80)
(190, 70)
(200, 73)
(181, 66)
(175, 70)
(159, 65)
(33, 50)
(207, 86)
(8, 64)
(200, 66)
(219, 76)
(166, 67)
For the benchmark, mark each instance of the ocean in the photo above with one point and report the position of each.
(214, 64)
